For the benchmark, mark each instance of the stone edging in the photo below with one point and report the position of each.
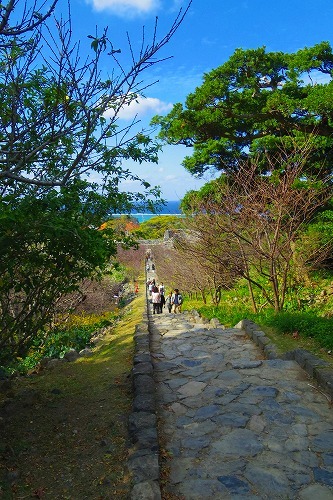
(316, 368)
(143, 461)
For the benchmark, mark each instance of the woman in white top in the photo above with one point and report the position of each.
(156, 300)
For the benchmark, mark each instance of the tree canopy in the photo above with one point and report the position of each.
(59, 113)
(257, 102)
(155, 227)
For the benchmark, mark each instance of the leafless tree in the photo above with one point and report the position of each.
(32, 15)
(253, 226)
(59, 123)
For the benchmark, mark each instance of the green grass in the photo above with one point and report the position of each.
(314, 326)
(68, 428)
(74, 334)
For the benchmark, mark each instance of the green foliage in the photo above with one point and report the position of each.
(193, 200)
(307, 324)
(76, 337)
(61, 163)
(48, 248)
(312, 322)
(228, 317)
(254, 103)
(118, 273)
(56, 342)
(155, 227)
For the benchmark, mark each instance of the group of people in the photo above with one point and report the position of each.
(173, 301)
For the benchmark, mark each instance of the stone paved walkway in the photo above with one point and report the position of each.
(233, 424)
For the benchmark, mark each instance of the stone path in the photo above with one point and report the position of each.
(233, 424)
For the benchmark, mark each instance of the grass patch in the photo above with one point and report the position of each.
(65, 430)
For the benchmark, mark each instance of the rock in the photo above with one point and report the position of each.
(143, 384)
(43, 362)
(142, 358)
(147, 490)
(145, 402)
(195, 313)
(141, 420)
(144, 470)
(142, 369)
(215, 323)
(85, 352)
(316, 491)
(71, 355)
(54, 362)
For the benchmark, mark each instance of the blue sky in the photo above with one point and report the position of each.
(210, 33)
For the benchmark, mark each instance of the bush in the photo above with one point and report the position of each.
(76, 335)
(309, 322)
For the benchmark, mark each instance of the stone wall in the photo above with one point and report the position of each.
(143, 461)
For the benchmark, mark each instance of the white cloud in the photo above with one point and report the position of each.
(140, 107)
(126, 7)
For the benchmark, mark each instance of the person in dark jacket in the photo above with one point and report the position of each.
(177, 301)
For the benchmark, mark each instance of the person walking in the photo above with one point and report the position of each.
(168, 303)
(177, 301)
(156, 300)
(161, 290)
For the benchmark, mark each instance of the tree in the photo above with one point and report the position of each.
(58, 123)
(155, 227)
(133, 259)
(61, 153)
(47, 250)
(257, 222)
(209, 264)
(252, 105)
(172, 269)
(31, 16)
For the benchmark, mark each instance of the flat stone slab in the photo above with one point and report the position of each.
(192, 388)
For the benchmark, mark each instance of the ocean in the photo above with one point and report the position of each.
(171, 208)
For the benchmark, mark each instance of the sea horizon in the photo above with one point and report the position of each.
(172, 207)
